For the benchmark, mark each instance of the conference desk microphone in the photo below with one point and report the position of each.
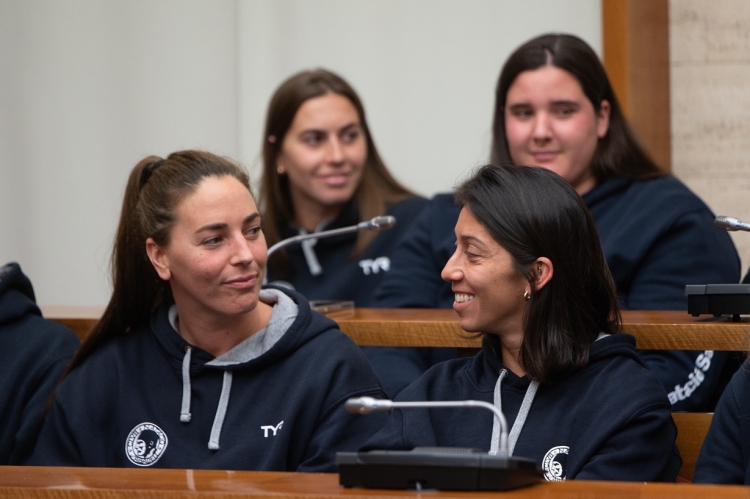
(731, 223)
(383, 222)
(722, 298)
(441, 468)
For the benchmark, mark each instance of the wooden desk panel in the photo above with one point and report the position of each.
(84, 483)
(653, 329)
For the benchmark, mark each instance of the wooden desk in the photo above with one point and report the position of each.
(653, 329)
(84, 483)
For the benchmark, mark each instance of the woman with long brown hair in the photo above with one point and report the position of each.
(321, 171)
(193, 365)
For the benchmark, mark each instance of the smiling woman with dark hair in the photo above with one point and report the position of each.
(555, 108)
(529, 274)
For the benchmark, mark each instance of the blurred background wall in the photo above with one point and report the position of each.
(710, 100)
(89, 87)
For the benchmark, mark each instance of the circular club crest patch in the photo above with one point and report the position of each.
(145, 444)
(555, 463)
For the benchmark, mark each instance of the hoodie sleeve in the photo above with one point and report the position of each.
(81, 418)
(414, 282)
(56, 446)
(337, 430)
(724, 456)
(642, 450)
(414, 277)
(33, 411)
(691, 251)
(340, 431)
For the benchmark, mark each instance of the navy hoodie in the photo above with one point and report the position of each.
(338, 277)
(273, 402)
(656, 235)
(610, 420)
(725, 455)
(33, 354)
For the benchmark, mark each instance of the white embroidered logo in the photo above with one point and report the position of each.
(145, 444)
(374, 266)
(695, 378)
(555, 463)
(274, 429)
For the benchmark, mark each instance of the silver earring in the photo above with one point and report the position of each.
(527, 295)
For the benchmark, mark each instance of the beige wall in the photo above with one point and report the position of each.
(88, 88)
(710, 94)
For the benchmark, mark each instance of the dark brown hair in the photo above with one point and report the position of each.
(154, 189)
(532, 212)
(618, 153)
(377, 190)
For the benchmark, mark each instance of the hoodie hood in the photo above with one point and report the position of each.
(601, 350)
(290, 326)
(16, 294)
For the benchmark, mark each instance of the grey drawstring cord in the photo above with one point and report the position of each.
(312, 259)
(221, 411)
(185, 410)
(284, 313)
(523, 412)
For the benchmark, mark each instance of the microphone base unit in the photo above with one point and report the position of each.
(435, 468)
(718, 299)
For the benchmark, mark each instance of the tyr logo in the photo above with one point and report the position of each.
(274, 429)
(374, 266)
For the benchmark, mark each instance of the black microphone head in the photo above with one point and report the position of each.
(383, 222)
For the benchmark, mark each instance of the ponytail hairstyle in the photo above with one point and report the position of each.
(377, 190)
(617, 154)
(533, 212)
(154, 189)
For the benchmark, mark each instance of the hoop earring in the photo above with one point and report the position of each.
(527, 295)
(280, 170)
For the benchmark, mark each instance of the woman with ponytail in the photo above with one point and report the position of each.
(193, 365)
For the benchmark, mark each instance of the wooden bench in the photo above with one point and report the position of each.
(691, 431)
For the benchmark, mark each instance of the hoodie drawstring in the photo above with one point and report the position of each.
(312, 259)
(523, 412)
(221, 411)
(185, 410)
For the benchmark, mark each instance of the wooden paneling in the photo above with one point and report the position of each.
(636, 57)
(691, 431)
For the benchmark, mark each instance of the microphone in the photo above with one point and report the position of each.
(442, 468)
(383, 222)
(365, 405)
(731, 223)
